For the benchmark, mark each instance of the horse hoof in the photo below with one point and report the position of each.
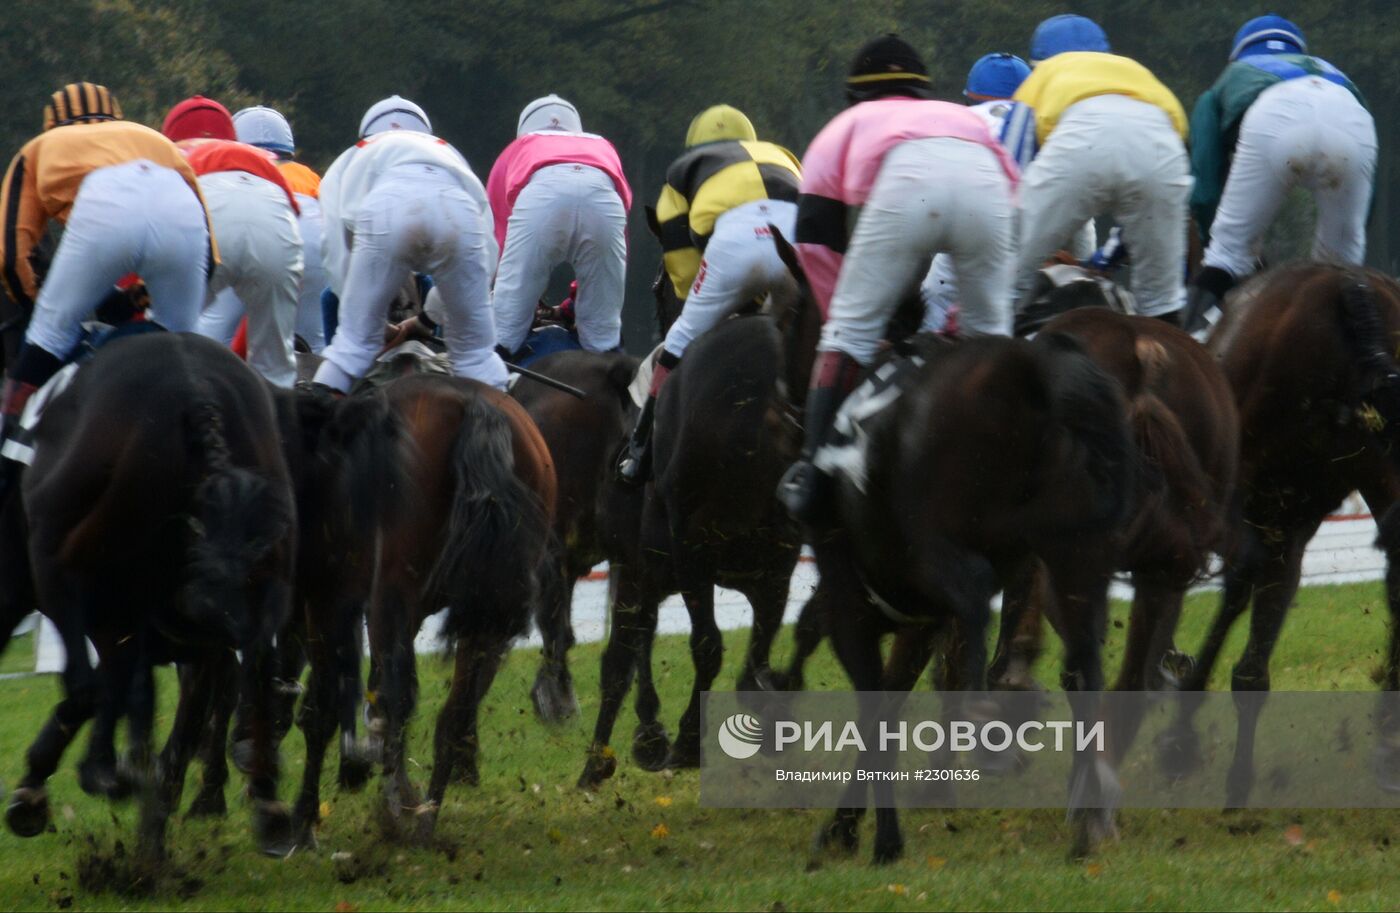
(759, 680)
(600, 766)
(1175, 669)
(105, 781)
(210, 803)
(241, 753)
(425, 816)
(684, 755)
(650, 746)
(355, 772)
(554, 699)
(27, 815)
(272, 826)
(304, 827)
(887, 851)
(1178, 752)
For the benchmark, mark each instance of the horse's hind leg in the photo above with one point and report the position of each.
(807, 637)
(553, 691)
(98, 774)
(650, 742)
(455, 738)
(210, 802)
(198, 684)
(347, 634)
(768, 597)
(634, 608)
(1151, 625)
(707, 655)
(391, 640)
(1020, 635)
(1273, 593)
(318, 724)
(1387, 760)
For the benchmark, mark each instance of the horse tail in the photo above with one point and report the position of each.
(1370, 347)
(366, 444)
(1174, 490)
(1088, 405)
(238, 516)
(497, 531)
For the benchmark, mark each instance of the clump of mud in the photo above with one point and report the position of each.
(104, 869)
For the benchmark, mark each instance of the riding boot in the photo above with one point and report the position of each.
(1207, 292)
(804, 488)
(634, 466)
(33, 368)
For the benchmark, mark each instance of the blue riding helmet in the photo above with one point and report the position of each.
(996, 76)
(1066, 32)
(1268, 35)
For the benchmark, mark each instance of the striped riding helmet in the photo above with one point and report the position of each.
(80, 102)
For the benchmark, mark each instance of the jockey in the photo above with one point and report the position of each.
(268, 129)
(558, 195)
(927, 177)
(991, 82)
(720, 197)
(402, 201)
(1111, 139)
(130, 203)
(254, 215)
(1284, 118)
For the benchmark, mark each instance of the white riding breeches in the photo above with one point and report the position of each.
(565, 214)
(936, 195)
(1306, 131)
(260, 269)
(1111, 155)
(136, 217)
(416, 218)
(740, 262)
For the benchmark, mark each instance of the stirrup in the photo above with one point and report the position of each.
(800, 491)
(631, 466)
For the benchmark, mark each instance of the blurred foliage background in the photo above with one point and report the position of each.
(638, 70)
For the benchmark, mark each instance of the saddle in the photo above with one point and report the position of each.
(1062, 287)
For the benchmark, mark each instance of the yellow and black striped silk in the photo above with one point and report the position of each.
(708, 181)
(80, 101)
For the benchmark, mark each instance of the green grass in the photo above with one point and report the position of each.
(527, 839)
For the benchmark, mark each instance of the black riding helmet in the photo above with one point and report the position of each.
(887, 66)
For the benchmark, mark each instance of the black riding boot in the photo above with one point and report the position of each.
(33, 368)
(634, 466)
(804, 488)
(1207, 291)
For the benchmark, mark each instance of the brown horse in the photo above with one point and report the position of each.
(1308, 351)
(595, 519)
(472, 537)
(161, 527)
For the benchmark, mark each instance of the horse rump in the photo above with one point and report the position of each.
(496, 536)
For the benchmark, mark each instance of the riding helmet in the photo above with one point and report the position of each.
(549, 113)
(1268, 35)
(394, 113)
(718, 123)
(198, 118)
(1066, 32)
(996, 76)
(887, 66)
(265, 128)
(80, 102)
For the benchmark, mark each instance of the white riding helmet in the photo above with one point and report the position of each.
(394, 113)
(265, 128)
(549, 113)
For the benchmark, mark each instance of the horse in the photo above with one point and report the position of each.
(162, 527)
(1307, 349)
(725, 431)
(472, 536)
(595, 519)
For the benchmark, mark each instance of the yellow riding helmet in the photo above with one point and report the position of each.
(80, 102)
(721, 122)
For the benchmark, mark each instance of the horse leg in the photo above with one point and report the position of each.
(807, 637)
(1249, 682)
(288, 663)
(650, 741)
(455, 738)
(98, 774)
(391, 639)
(198, 684)
(634, 609)
(210, 801)
(318, 724)
(707, 655)
(768, 597)
(347, 636)
(1387, 760)
(1020, 636)
(1151, 625)
(553, 691)
(272, 821)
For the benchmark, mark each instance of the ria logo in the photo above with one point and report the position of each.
(741, 736)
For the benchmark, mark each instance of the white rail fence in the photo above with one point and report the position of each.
(1343, 551)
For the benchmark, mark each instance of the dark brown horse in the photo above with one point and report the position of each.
(595, 520)
(472, 537)
(161, 527)
(725, 431)
(1308, 351)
